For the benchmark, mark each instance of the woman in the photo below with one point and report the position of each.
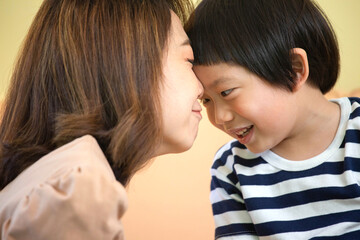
(100, 88)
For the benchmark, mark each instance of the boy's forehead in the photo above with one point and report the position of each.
(213, 75)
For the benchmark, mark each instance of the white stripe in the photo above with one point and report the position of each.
(260, 169)
(354, 106)
(219, 194)
(328, 231)
(332, 230)
(352, 149)
(305, 211)
(244, 153)
(242, 237)
(223, 149)
(301, 184)
(233, 217)
(223, 171)
(354, 124)
(269, 169)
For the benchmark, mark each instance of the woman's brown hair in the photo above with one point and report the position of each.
(88, 67)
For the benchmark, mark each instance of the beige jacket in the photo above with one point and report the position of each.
(71, 193)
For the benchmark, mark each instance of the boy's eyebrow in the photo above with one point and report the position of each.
(218, 82)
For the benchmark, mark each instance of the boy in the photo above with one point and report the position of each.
(292, 171)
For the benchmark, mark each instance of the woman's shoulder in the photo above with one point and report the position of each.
(75, 185)
(82, 152)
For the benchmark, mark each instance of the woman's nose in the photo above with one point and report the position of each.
(200, 89)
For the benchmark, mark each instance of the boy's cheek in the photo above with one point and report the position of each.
(219, 127)
(213, 122)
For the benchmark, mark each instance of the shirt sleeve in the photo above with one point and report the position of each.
(230, 214)
(82, 203)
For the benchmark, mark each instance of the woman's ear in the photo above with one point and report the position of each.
(300, 66)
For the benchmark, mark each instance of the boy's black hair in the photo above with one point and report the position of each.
(259, 35)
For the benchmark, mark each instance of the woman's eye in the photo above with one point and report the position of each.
(191, 61)
(226, 92)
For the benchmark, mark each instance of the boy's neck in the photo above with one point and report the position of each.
(315, 128)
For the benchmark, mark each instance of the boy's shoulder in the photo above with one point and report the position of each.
(227, 148)
(233, 149)
(354, 100)
(350, 106)
(354, 107)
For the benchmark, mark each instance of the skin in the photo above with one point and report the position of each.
(180, 91)
(265, 117)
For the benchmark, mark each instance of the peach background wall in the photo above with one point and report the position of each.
(169, 199)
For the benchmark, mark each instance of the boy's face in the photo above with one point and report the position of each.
(249, 109)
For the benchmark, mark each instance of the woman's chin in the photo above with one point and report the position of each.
(174, 148)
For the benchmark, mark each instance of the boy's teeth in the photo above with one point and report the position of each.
(243, 132)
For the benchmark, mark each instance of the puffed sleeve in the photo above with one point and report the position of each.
(81, 203)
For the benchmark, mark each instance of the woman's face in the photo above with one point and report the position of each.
(180, 91)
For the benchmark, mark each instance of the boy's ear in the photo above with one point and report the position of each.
(300, 66)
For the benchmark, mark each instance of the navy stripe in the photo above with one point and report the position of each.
(234, 229)
(342, 145)
(356, 112)
(229, 188)
(237, 144)
(334, 168)
(237, 160)
(307, 224)
(352, 164)
(249, 162)
(233, 178)
(347, 236)
(221, 161)
(354, 99)
(352, 135)
(227, 206)
(304, 197)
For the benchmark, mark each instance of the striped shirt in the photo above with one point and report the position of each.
(264, 196)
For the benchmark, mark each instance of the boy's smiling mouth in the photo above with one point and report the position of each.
(243, 132)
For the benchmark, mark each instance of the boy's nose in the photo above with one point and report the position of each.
(222, 115)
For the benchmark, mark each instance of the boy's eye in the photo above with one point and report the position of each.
(226, 92)
(191, 61)
(204, 100)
